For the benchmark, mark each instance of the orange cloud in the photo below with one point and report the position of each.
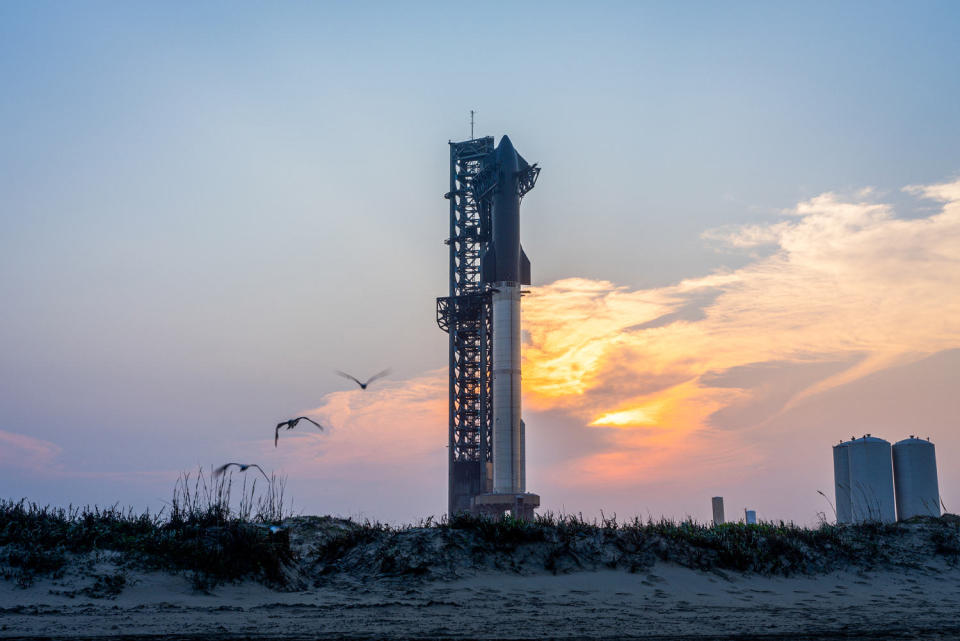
(846, 281)
(391, 423)
(679, 382)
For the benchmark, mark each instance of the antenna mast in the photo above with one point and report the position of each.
(471, 124)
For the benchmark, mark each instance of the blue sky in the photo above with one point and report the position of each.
(208, 207)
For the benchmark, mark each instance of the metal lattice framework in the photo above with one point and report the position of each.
(465, 316)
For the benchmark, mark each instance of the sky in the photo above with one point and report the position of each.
(745, 245)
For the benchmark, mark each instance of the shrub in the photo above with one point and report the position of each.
(201, 534)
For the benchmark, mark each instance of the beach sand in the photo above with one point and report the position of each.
(664, 602)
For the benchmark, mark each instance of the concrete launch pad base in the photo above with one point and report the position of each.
(520, 506)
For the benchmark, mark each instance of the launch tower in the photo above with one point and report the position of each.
(487, 467)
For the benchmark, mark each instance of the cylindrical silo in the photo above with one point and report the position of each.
(841, 482)
(915, 477)
(717, 504)
(871, 480)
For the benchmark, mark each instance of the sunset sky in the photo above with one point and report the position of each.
(745, 245)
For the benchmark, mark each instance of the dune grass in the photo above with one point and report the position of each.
(215, 531)
(200, 533)
(566, 543)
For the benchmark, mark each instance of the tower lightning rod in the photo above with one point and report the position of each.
(471, 124)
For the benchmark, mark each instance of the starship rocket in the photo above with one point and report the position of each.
(505, 268)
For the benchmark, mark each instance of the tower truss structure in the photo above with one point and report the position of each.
(466, 317)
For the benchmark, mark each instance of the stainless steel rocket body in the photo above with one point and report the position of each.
(505, 270)
(508, 463)
(506, 215)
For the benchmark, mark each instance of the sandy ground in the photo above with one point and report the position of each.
(667, 602)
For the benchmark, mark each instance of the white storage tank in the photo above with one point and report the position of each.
(841, 482)
(871, 480)
(915, 475)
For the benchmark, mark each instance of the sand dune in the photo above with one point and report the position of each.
(911, 593)
(666, 602)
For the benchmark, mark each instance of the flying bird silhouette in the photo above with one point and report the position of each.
(243, 468)
(363, 385)
(292, 423)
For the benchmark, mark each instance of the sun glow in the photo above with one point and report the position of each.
(628, 418)
(699, 370)
(844, 282)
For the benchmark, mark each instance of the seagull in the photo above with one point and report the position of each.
(243, 468)
(292, 423)
(369, 380)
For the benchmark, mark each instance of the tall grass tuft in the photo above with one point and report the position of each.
(201, 534)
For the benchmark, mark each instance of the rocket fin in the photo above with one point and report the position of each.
(488, 265)
(522, 165)
(524, 267)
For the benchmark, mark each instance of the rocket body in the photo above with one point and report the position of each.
(505, 268)
(508, 460)
(506, 215)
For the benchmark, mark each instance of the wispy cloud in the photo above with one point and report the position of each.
(26, 452)
(696, 370)
(44, 459)
(847, 284)
(393, 423)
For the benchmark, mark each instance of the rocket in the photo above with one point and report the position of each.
(505, 268)
(504, 260)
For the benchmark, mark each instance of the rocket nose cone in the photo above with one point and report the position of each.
(505, 146)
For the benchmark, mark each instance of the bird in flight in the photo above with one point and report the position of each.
(292, 423)
(243, 468)
(362, 384)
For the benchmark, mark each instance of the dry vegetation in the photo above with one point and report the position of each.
(202, 536)
(561, 544)
(200, 533)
